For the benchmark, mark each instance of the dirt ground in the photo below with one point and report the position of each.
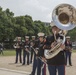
(8, 63)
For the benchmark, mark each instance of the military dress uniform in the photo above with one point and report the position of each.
(26, 50)
(38, 54)
(32, 43)
(55, 64)
(35, 61)
(41, 63)
(18, 47)
(68, 50)
(58, 61)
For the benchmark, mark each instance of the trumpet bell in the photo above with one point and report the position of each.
(64, 16)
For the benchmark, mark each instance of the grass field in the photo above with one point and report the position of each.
(12, 52)
(8, 52)
(74, 51)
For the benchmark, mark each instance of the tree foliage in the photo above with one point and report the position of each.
(11, 26)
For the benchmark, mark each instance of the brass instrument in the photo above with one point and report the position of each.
(35, 50)
(26, 49)
(64, 17)
(16, 45)
(68, 48)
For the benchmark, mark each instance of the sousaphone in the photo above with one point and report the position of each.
(64, 17)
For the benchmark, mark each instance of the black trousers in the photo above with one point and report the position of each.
(18, 53)
(31, 58)
(35, 65)
(25, 53)
(68, 58)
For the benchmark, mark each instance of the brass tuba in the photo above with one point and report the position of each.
(64, 17)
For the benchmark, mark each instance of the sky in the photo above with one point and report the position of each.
(37, 9)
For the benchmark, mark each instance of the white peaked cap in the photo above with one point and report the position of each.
(18, 37)
(40, 34)
(27, 37)
(33, 36)
(68, 37)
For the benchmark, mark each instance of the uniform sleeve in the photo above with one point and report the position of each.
(41, 51)
(48, 42)
(71, 44)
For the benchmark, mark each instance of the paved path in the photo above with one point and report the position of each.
(4, 71)
(7, 66)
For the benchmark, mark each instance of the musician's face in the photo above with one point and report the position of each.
(41, 38)
(68, 39)
(33, 38)
(26, 39)
(55, 29)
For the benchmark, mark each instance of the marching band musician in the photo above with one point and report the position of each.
(32, 43)
(26, 50)
(68, 50)
(18, 47)
(35, 61)
(57, 63)
(41, 58)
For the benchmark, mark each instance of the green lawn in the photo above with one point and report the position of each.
(12, 52)
(8, 53)
(73, 50)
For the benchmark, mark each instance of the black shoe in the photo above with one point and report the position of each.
(23, 64)
(15, 62)
(32, 73)
(27, 63)
(20, 62)
(71, 65)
